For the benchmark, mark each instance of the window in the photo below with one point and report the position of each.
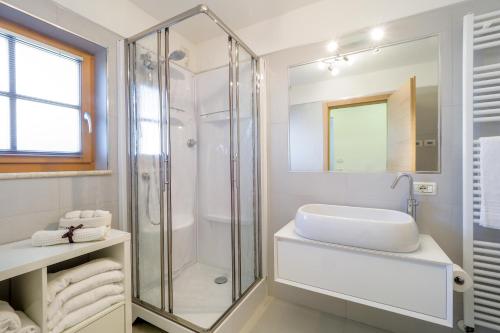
(46, 103)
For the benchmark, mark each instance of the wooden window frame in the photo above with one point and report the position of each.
(343, 103)
(43, 161)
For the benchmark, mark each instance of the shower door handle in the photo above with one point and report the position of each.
(166, 166)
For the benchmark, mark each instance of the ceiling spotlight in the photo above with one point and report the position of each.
(376, 50)
(332, 46)
(321, 65)
(334, 71)
(377, 34)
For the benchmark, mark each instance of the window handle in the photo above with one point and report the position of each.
(88, 119)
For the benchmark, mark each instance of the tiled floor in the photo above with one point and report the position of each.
(276, 316)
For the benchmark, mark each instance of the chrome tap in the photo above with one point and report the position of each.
(411, 207)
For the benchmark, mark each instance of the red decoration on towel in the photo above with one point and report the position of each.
(69, 234)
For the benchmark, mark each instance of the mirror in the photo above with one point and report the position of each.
(370, 111)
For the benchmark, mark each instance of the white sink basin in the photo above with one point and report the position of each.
(369, 228)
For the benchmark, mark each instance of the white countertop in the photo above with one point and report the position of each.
(21, 257)
(428, 250)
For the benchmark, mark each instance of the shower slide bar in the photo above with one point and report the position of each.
(481, 104)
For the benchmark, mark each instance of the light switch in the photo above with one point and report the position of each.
(424, 188)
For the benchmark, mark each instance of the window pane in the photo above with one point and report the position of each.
(4, 64)
(47, 128)
(43, 74)
(4, 123)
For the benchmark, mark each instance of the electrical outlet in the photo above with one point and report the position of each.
(429, 143)
(425, 188)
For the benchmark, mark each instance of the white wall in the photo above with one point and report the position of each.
(358, 138)
(306, 137)
(214, 196)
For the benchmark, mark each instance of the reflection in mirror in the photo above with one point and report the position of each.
(371, 111)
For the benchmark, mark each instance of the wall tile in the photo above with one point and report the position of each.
(23, 196)
(23, 226)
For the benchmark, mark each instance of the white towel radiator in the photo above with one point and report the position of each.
(481, 105)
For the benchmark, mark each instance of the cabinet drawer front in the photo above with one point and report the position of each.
(391, 281)
(113, 322)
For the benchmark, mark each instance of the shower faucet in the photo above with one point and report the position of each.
(411, 207)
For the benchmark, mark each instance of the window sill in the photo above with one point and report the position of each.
(54, 174)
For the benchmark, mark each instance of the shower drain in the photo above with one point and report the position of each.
(220, 280)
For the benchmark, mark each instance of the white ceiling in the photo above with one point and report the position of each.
(236, 14)
(414, 52)
(265, 25)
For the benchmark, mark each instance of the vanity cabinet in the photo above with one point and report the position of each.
(417, 284)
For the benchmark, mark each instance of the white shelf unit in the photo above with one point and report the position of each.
(481, 117)
(23, 279)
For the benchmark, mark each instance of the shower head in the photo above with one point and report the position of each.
(177, 55)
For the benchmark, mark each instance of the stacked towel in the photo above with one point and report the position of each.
(76, 294)
(88, 218)
(9, 320)
(54, 237)
(83, 226)
(490, 181)
(15, 321)
(27, 325)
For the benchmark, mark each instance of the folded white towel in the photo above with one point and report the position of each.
(86, 312)
(54, 237)
(80, 287)
(75, 214)
(83, 300)
(27, 325)
(104, 219)
(60, 280)
(86, 214)
(101, 213)
(490, 182)
(9, 319)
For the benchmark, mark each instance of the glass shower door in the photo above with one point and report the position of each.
(147, 165)
(247, 130)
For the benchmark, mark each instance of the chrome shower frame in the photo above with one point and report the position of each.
(234, 43)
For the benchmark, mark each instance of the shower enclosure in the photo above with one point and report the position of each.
(194, 180)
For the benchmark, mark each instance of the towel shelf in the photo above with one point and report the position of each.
(111, 320)
(25, 268)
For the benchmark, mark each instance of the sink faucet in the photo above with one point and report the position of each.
(411, 207)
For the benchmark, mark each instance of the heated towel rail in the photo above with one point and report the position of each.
(481, 104)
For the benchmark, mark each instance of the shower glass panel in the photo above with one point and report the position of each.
(200, 186)
(247, 132)
(147, 151)
(193, 132)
